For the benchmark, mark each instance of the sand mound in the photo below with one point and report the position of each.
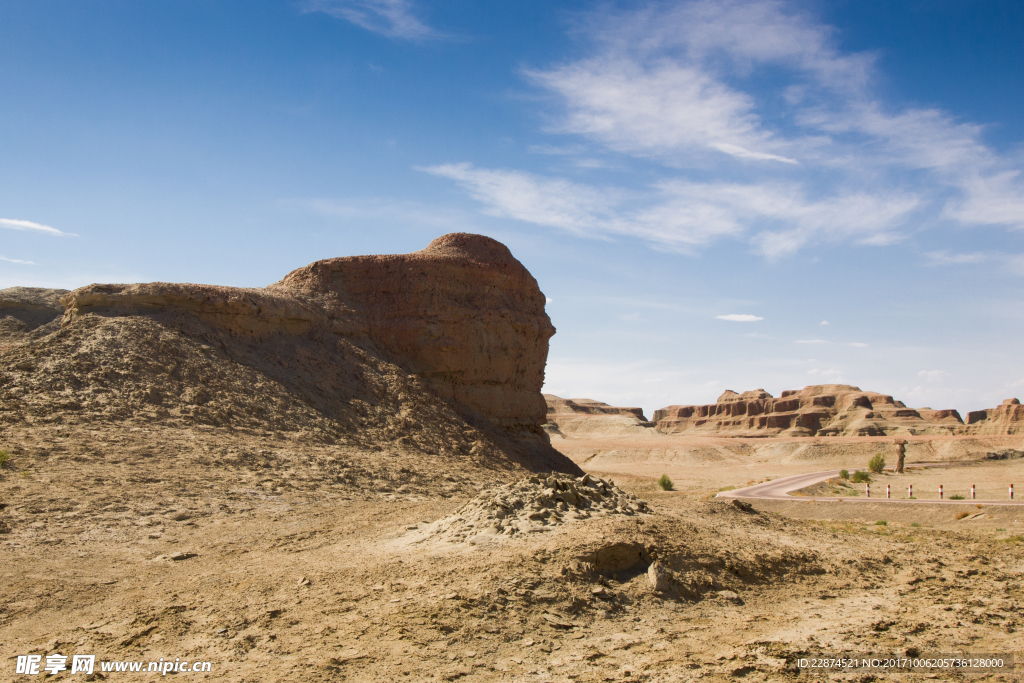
(531, 505)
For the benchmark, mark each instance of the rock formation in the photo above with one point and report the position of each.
(442, 350)
(584, 416)
(823, 410)
(1007, 418)
(28, 313)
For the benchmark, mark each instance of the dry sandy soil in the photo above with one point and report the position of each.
(306, 561)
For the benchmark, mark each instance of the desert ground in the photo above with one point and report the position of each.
(150, 544)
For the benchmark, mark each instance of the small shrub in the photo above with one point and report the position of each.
(961, 515)
(860, 477)
(843, 474)
(665, 483)
(957, 496)
(877, 463)
(915, 524)
(1017, 538)
(4, 457)
(727, 488)
(881, 522)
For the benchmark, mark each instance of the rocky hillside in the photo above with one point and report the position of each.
(584, 416)
(439, 352)
(822, 410)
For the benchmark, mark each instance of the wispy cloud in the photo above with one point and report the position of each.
(392, 18)
(933, 375)
(16, 260)
(810, 341)
(740, 317)
(14, 224)
(810, 155)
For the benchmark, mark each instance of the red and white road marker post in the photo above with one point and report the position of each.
(910, 491)
(940, 491)
(972, 491)
(888, 494)
(1011, 491)
(867, 490)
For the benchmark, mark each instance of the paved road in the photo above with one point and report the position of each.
(778, 489)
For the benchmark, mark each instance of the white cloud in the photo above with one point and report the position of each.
(823, 322)
(810, 341)
(13, 224)
(682, 215)
(15, 260)
(945, 258)
(548, 300)
(810, 155)
(933, 375)
(392, 18)
(739, 317)
(859, 345)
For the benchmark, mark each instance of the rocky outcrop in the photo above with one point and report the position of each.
(822, 410)
(402, 348)
(583, 416)
(1007, 418)
(28, 313)
(463, 314)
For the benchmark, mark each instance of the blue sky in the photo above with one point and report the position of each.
(730, 194)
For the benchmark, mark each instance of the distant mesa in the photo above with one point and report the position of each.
(441, 350)
(821, 410)
(1007, 418)
(586, 417)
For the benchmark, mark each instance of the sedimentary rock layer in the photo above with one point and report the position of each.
(584, 416)
(1007, 418)
(822, 410)
(401, 349)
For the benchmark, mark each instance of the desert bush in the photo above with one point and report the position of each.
(877, 463)
(727, 488)
(860, 477)
(961, 515)
(915, 524)
(665, 483)
(957, 496)
(881, 522)
(843, 474)
(4, 457)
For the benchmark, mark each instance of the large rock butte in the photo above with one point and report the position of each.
(822, 410)
(373, 346)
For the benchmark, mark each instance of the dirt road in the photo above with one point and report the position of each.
(779, 489)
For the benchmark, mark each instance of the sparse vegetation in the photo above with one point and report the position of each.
(915, 524)
(860, 477)
(4, 457)
(957, 496)
(727, 488)
(843, 474)
(877, 463)
(961, 515)
(665, 483)
(1016, 538)
(881, 522)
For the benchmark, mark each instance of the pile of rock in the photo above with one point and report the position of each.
(534, 504)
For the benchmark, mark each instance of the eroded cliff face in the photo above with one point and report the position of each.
(463, 314)
(587, 417)
(1007, 418)
(442, 349)
(821, 410)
